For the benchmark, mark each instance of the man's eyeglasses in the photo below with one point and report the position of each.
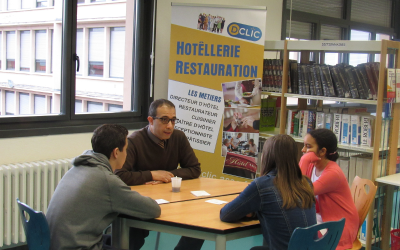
(166, 120)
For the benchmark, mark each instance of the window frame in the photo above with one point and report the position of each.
(67, 121)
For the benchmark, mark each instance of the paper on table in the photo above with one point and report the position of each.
(200, 193)
(215, 201)
(161, 201)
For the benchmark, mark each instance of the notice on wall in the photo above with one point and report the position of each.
(216, 63)
(199, 111)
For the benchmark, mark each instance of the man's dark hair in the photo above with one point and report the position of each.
(158, 103)
(107, 137)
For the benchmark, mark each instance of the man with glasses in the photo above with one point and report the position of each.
(153, 155)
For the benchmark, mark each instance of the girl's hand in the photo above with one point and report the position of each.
(310, 157)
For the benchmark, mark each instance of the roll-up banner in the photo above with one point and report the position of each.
(215, 70)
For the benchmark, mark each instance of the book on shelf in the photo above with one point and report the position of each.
(351, 82)
(311, 79)
(385, 133)
(369, 85)
(320, 120)
(305, 76)
(391, 86)
(367, 130)
(303, 123)
(397, 85)
(342, 78)
(326, 80)
(329, 121)
(293, 77)
(358, 80)
(317, 80)
(345, 129)
(300, 78)
(290, 121)
(337, 81)
(352, 169)
(296, 123)
(268, 114)
(344, 163)
(355, 124)
(337, 124)
(311, 121)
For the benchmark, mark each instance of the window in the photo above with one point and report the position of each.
(114, 107)
(1, 42)
(81, 1)
(103, 93)
(79, 47)
(41, 3)
(96, 51)
(97, 1)
(331, 8)
(10, 57)
(358, 58)
(376, 12)
(10, 102)
(117, 52)
(94, 107)
(12, 4)
(25, 52)
(26, 4)
(329, 32)
(40, 50)
(24, 107)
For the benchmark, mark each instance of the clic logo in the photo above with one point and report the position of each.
(244, 31)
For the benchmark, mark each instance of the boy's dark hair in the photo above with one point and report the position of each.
(107, 137)
(158, 103)
(326, 139)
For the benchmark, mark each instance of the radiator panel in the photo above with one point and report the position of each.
(34, 184)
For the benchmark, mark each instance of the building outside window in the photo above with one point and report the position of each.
(10, 50)
(117, 52)
(94, 107)
(41, 3)
(10, 102)
(12, 4)
(24, 107)
(40, 50)
(96, 51)
(40, 104)
(25, 50)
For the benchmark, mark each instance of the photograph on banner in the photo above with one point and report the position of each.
(241, 152)
(242, 120)
(245, 93)
(210, 23)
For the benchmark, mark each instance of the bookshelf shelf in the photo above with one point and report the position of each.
(391, 141)
(336, 99)
(271, 93)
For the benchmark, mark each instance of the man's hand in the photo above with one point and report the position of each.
(161, 175)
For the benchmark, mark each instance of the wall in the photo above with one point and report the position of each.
(67, 146)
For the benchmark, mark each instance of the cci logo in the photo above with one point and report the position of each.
(244, 31)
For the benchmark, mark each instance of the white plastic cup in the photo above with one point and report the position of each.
(176, 184)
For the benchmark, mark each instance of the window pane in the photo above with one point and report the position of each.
(40, 50)
(31, 44)
(376, 12)
(12, 4)
(24, 108)
(81, 1)
(332, 8)
(79, 47)
(96, 51)
(10, 102)
(380, 37)
(117, 52)
(25, 50)
(329, 32)
(103, 56)
(114, 108)
(10, 50)
(357, 58)
(78, 106)
(93, 107)
(41, 3)
(40, 104)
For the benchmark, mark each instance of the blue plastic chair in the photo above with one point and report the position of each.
(36, 228)
(306, 238)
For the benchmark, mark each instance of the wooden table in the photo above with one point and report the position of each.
(215, 187)
(188, 215)
(193, 218)
(393, 180)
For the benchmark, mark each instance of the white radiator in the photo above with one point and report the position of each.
(34, 184)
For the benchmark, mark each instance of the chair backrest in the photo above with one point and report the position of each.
(307, 238)
(36, 228)
(361, 198)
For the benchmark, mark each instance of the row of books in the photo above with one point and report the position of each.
(353, 129)
(344, 81)
(393, 86)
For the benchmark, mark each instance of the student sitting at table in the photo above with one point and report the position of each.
(282, 198)
(333, 195)
(90, 196)
(153, 156)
